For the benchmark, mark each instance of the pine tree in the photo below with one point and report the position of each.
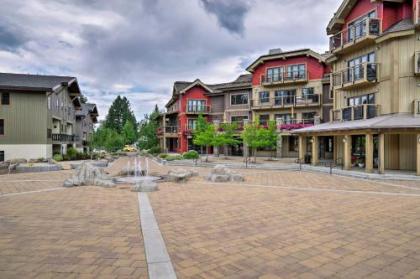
(119, 113)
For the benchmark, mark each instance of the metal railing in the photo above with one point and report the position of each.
(197, 109)
(64, 137)
(365, 111)
(288, 101)
(364, 28)
(293, 124)
(171, 129)
(173, 108)
(416, 108)
(365, 72)
(284, 77)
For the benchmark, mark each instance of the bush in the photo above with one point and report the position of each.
(192, 154)
(163, 155)
(72, 153)
(173, 157)
(155, 150)
(58, 157)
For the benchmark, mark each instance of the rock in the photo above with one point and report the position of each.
(145, 186)
(87, 174)
(130, 171)
(180, 175)
(220, 173)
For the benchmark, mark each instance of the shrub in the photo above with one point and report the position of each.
(192, 154)
(72, 153)
(163, 155)
(174, 157)
(154, 150)
(58, 157)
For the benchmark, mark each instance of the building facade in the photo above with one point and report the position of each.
(37, 115)
(290, 88)
(86, 118)
(374, 57)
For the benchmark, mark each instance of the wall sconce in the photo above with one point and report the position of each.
(344, 140)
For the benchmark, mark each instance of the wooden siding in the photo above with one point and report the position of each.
(217, 104)
(25, 119)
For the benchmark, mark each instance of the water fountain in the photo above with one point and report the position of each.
(135, 174)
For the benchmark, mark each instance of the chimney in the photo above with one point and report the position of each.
(275, 51)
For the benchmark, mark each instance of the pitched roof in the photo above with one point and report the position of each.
(337, 20)
(29, 82)
(243, 81)
(284, 55)
(403, 25)
(389, 121)
(88, 109)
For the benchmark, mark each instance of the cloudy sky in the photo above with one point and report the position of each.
(139, 48)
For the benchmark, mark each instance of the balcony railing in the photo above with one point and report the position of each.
(172, 109)
(285, 77)
(361, 74)
(64, 137)
(355, 33)
(358, 112)
(293, 124)
(197, 109)
(416, 108)
(287, 101)
(416, 12)
(171, 129)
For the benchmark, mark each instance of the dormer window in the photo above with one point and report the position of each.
(358, 28)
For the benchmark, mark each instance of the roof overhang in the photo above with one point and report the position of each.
(336, 23)
(197, 82)
(284, 55)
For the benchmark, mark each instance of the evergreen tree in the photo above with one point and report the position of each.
(129, 133)
(147, 131)
(119, 113)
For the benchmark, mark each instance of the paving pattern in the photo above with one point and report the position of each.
(278, 224)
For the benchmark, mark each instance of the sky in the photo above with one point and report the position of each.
(138, 48)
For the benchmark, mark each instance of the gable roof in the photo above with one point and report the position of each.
(342, 12)
(88, 109)
(195, 83)
(241, 82)
(284, 55)
(43, 83)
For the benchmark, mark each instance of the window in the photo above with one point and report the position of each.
(308, 91)
(286, 97)
(286, 117)
(308, 116)
(355, 66)
(264, 119)
(192, 124)
(361, 100)
(264, 97)
(238, 119)
(296, 71)
(239, 99)
(1, 156)
(358, 28)
(275, 74)
(196, 105)
(1, 126)
(5, 99)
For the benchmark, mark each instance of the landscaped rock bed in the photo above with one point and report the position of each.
(37, 167)
(180, 175)
(89, 175)
(220, 173)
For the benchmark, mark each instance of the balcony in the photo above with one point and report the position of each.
(172, 109)
(355, 37)
(169, 131)
(416, 13)
(358, 112)
(197, 109)
(287, 102)
(417, 63)
(356, 76)
(284, 78)
(416, 108)
(293, 124)
(64, 138)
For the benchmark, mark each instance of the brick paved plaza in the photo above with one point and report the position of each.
(277, 224)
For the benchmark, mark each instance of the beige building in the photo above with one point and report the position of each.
(375, 121)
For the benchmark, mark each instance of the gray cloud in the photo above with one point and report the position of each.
(138, 48)
(230, 13)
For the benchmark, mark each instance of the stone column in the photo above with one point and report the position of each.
(245, 146)
(302, 147)
(315, 150)
(279, 148)
(369, 153)
(347, 152)
(418, 155)
(381, 154)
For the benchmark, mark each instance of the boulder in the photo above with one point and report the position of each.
(87, 174)
(131, 171)
(145, 186)
(220, 173)
(180, 175)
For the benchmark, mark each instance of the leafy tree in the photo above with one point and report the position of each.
(256, 136)
(108, 139)
(147, 131)
(119, 113)
(129, 133)
(201, 132)
(225, 136)
(83, 99)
